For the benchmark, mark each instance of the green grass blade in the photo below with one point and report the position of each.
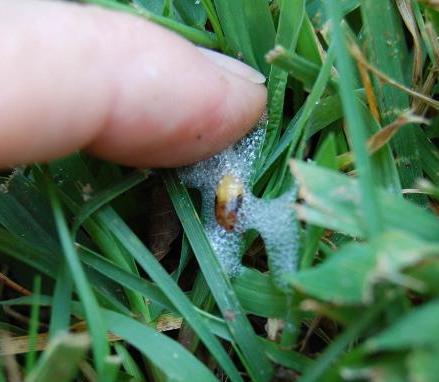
(125, 278)
(297, 66)
(248, 28)
(333, 200)
(309, 106)
(195, 35)
(94, 320)
(174, 361)
(290, 20)
(128, 362)
(36, 258)
(214, 21)
(60, 361)
(325, 157)
(356, 127)
(245, 338)
(316, 370)
(308, 43)
(387, 51)
(80, 172)
(31, 355)
(165, 282)
(193, 14)
(258, 295)
(106, 196)
(60, 314)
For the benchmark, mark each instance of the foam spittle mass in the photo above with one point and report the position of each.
(275, 219)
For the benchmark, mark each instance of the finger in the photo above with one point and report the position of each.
(127, 90)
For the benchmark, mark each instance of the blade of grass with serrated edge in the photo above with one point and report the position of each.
(290, 20)
(244, 336)
(197, 36)
(94, 320)
(164, 281)
(357, 129)
(387, 51)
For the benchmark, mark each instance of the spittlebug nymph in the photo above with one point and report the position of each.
(228, 200)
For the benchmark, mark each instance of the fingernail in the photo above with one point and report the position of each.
(234, 66)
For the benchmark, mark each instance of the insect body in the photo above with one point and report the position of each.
(228, 200)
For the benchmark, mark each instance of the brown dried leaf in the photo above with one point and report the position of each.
(163, 225)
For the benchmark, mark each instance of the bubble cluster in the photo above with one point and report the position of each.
(275, 219)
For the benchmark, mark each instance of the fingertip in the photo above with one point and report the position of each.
(199, 108)
(126, 90)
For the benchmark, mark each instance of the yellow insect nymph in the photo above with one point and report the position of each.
(228, 200)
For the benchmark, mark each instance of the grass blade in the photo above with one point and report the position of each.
(165, 282)
(316, 370)
(389, 55)
(31, 356)
(94, 320)
(60, 314)
(356, 127)
(290, 20)
(258, 365)
(195, 35)
(61, 359)
(174, 361)
(106, 196)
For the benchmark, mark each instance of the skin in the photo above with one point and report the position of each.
(79, 77)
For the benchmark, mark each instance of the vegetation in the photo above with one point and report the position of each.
(352, 120)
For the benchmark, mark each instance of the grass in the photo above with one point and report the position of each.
(80, 266)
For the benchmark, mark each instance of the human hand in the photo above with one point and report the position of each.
(79, 77)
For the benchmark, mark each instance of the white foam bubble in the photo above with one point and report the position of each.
(273, 219)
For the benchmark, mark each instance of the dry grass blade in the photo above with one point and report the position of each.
(358, 55)
(383, 136)
(379, 139)
(162, 224)
(20, 344)
(431, 3)
(370, 93)
(433, 39)
(13, 285)
(406, 11)
(418, 106)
